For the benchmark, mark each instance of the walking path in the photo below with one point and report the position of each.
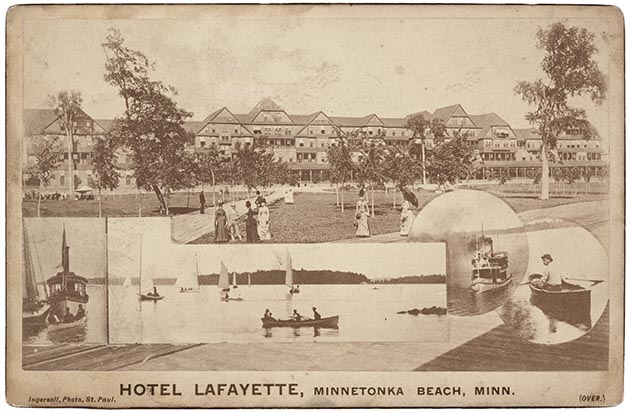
(186, 228)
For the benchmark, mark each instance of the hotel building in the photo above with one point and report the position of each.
(301, 140)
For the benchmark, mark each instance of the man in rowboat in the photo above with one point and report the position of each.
(550, 280)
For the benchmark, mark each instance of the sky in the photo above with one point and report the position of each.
(162, 258)
(346, 67)
(84, 236)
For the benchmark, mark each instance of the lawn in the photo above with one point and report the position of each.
(118, 205)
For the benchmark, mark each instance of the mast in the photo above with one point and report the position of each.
(289, 271)
(140, 269)
(196, 284)
(65, 258)
(30, 282)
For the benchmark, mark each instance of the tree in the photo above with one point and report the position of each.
(46, 161)
(452, 160)
(210, 162)
(152, 124)
(67, 107)
(339, 156)
(104, 167)
(401, 167)
(570, 71)
(423, 128)
(371, 165)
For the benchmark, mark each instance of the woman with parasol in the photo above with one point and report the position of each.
(410, 202)
(361, 216)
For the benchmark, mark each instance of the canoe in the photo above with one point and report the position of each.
(571, 304)
(231, 299)
(146, 297)
(328, 322)
(188, 290)
(66, 326)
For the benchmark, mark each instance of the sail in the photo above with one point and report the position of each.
(30, 293)
(224, 277)
(234, 280)
(189, 280)
(289, 271)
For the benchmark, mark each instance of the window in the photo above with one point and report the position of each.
(128, 180)
(323, 131)
(393, 133)
(202, 144)
(235, 130)
(62, 180)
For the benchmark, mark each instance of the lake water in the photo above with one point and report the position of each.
(577, 256)
(93, 331)
(365, 314)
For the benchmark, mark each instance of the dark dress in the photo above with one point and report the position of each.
(202, 202)
(251, 226)
(220, 230)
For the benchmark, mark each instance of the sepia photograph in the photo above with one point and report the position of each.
(64, 298)
(167, 293)
(330, 198)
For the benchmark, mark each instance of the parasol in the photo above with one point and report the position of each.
(410, 196)
(83, 189)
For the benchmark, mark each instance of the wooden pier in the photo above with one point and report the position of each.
(501, 350)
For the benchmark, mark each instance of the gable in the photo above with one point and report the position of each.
(272, 117)
(459, 111)
(322, 119)
(374, 121)
(224, 116)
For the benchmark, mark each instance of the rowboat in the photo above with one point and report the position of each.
(571, 304)
(328, 322)
(147, 297)
(231, 299)
(66, 326)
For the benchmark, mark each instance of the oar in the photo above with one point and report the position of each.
(595, 282)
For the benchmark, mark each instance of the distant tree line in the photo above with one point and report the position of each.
(414, 279)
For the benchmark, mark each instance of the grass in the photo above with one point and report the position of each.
(118, 205)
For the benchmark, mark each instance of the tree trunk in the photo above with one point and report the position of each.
(342, 185)
(39, 199)
(372, 200)
(544, 179)
(394, 197)
(166, 199)
(214, 195)
(337, 193)
(100, 203)
(139, 203)
(160, 197)
(188, 200)
(70, 162)
(424, 170)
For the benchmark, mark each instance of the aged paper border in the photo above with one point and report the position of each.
(529, 386)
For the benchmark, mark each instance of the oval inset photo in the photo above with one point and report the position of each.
(566, 288)
(486, 248)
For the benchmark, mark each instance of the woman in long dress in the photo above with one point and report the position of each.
(362, 213)
(406, 218)
(220, 224)
(264, 232)
(251, 225)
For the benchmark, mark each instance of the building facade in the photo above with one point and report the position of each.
(302, 140)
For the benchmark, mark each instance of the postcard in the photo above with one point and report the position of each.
(315, 206)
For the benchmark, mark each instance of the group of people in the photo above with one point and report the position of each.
(362, 215)
(67, 317)
(295, 316)
(47, 196)
(226, 227)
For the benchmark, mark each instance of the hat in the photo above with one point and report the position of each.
(547, 256)
(314, 308)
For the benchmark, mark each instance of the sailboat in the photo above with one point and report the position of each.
(34, 308)
(151, 295)
(288, 280)
(224, 285)
(190, 284)
(67, 292)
